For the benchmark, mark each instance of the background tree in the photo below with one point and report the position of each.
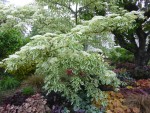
(136, 40)
(47, 20)
(62, 59)
(64, 63)
(11, 35)
(18, 23)
(75, 6)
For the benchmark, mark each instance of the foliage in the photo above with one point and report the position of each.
(36, 81)
(126, 66)
(36, 104)
(142, 72)
(56, 102)
(48, 21)
(143, 83)
(28, 90)
(132, 40)
(12, 29)
(140, 102)
(10, 41)
(8, 83)
(120, 55)
(17, 99)
(135, 71)
(80, 8)
(14, 17)
(135, 40)
(126, 92)
(115, 103)
(75, 76)
(125, 77)
(63, 61)
(33, 19)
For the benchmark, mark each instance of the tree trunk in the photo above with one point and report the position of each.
(76, 14)
(141, 54)
(141, 59)
(76, 18)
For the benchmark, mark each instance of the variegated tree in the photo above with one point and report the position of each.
(64, 63)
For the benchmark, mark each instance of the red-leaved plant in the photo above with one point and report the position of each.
(34, 104)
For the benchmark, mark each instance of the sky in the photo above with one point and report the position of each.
(20, 2)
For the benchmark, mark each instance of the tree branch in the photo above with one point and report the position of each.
(64, 5)
(123, 43)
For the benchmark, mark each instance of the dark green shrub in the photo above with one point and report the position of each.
(8, 83)
(120, 55)
(10, 41)
(28, 91)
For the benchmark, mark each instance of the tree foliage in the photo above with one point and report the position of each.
(76, 7)
(50, 21)
(137, 40)
(66, 66)
(63, 61)
(34, 17)
(12, 17)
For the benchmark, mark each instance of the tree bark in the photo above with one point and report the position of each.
(141, 59)
(141, 52)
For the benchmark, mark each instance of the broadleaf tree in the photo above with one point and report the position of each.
(61, 58)
(136, 40)
(64, 63)
(76, 6)
(16, 24)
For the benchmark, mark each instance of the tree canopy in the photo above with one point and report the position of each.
(75, 7)
(135, 40)
(57, 51)
(34, 17)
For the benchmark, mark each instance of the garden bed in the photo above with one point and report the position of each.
(129, 99)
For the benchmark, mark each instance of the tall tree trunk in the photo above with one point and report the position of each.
(76, 14)
(141, 59)
(141, 54)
